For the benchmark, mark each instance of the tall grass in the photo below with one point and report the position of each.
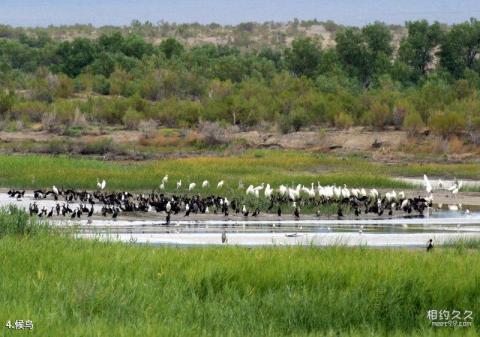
(15, 221)
(90, 288)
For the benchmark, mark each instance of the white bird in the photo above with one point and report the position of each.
(427, 184)
(268, 191)
(168, 207)
(205, 184)
(165, 179)
(220, 184)
(345, 192)
(179, 184)
(191, 186)
(455, 188)
(101, 185)
(55, 189)
(162, 186)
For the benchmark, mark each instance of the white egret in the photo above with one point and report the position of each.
(427, 184)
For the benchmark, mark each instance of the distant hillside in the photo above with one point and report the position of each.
(248, 35)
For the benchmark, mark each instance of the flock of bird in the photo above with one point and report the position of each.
(75, 204)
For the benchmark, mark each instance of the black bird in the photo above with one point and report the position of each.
(279, 211)
(430, 245)
(49, 215)
(340, 212)
(256, 212)
(357, 211)
(167, 222)
(90, 213)
(115, 213)
(296, 212)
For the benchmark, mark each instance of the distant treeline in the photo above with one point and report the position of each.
(429, 79)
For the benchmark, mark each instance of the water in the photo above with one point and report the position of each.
(149, 228)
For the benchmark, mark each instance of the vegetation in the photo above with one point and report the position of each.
(97, 288)
(15, 222)
(252, 167)
(429, 79)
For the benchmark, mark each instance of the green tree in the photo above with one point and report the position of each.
(171, 47)
(461, 47)
(73, 57)
(365, 54)
(417, 49)
(303, 58)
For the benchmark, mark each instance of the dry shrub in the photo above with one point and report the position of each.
(213, 133)
(50, 121)
(455, 145)
(79, 119)
(148, 129)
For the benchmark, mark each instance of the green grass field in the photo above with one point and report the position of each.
(252, 167)
(74, 287)
(88, 288)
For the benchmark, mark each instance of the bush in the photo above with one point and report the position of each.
(32, 110)
(101, 85)
(448, 123)
(100, 147)
(213, 133)
(49, 121)
(148, 129)
(378, 116)
(7, 100)
(132, 119)
(343, 120)
(413, 123)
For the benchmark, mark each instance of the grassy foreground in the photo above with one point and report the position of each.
(71, 287)
(251, 167)
(86, 288)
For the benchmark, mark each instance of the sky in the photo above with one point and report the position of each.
(122, 12)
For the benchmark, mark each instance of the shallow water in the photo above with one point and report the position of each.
(149, 228)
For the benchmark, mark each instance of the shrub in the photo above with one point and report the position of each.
(213, 133)
(132, 119)
(378, 116)
(413, 123)
(33, 110)
(7, 100)
(64, 87)
(448, 123)
(148, 129)
(49, 121)
(343, 120)
(101, 147)
(101, 85)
